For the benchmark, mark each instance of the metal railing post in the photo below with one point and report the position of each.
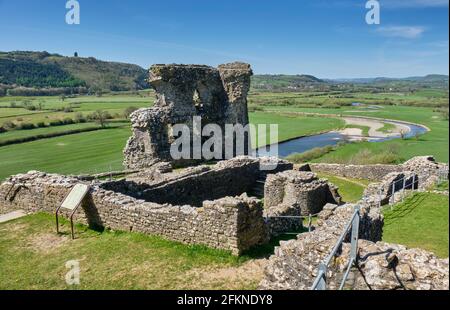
(414, 182)
(355, 235)
(322, 285)
(393, 193)
(403, 190)
(309, 223)
(379, 198)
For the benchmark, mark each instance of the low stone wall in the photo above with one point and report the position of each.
(424, 166)
(230, 223)
(364, 172)
(382, 193)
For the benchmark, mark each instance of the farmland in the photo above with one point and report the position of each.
(77, 152)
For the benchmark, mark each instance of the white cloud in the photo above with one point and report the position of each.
(414, 3)
(406, 32)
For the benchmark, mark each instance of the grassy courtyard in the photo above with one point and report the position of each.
(351, 190)
(33, 256)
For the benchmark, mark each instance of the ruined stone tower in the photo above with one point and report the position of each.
(218, 96)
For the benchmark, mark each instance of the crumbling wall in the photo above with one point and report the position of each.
(381, 266)
(304, 190)
(230, 223)
(218, 96)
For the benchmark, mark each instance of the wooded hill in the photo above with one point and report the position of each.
(20, 71)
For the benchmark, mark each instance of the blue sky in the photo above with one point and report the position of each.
(325, 38)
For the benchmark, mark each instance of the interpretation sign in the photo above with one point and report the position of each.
(75, 197)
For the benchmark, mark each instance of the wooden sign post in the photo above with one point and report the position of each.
(72, 201)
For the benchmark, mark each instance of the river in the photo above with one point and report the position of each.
(303, 144)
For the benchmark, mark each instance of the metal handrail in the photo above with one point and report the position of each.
(320, 283)
(413, 185)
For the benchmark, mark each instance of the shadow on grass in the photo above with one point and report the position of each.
(266, 250)
(402, 210)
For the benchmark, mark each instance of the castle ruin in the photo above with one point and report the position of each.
(234, 205)
(218, 96)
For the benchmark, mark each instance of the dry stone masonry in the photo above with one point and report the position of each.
(231, 223)
(200, 205)
(303, 190)
(218, 96)
(381, 266)
(210, 204)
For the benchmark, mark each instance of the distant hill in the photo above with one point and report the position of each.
(44, 70)
(434, 80)
(280, 82)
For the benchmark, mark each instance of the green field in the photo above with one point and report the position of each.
(101, 150)
(339, 98)
(17, 135)
(90, 152)
(421, 221)
(114, 104)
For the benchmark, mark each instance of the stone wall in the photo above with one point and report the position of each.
(230, 223)
(363, 172)
(424, 166)
(218, 96)
(227, 178)
(383, 192)
(196, 184)
(300, 189)
(381, 266)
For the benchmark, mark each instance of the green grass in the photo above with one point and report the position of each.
(420, 222)
(299, 158)
(351, 190)
(364, 129)
(114, 104)
(33, 256)
(365, 155)
(23, 134)
(89, 152)
(95, 152)
(443, 186)
(387, 128)
(294, 126)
